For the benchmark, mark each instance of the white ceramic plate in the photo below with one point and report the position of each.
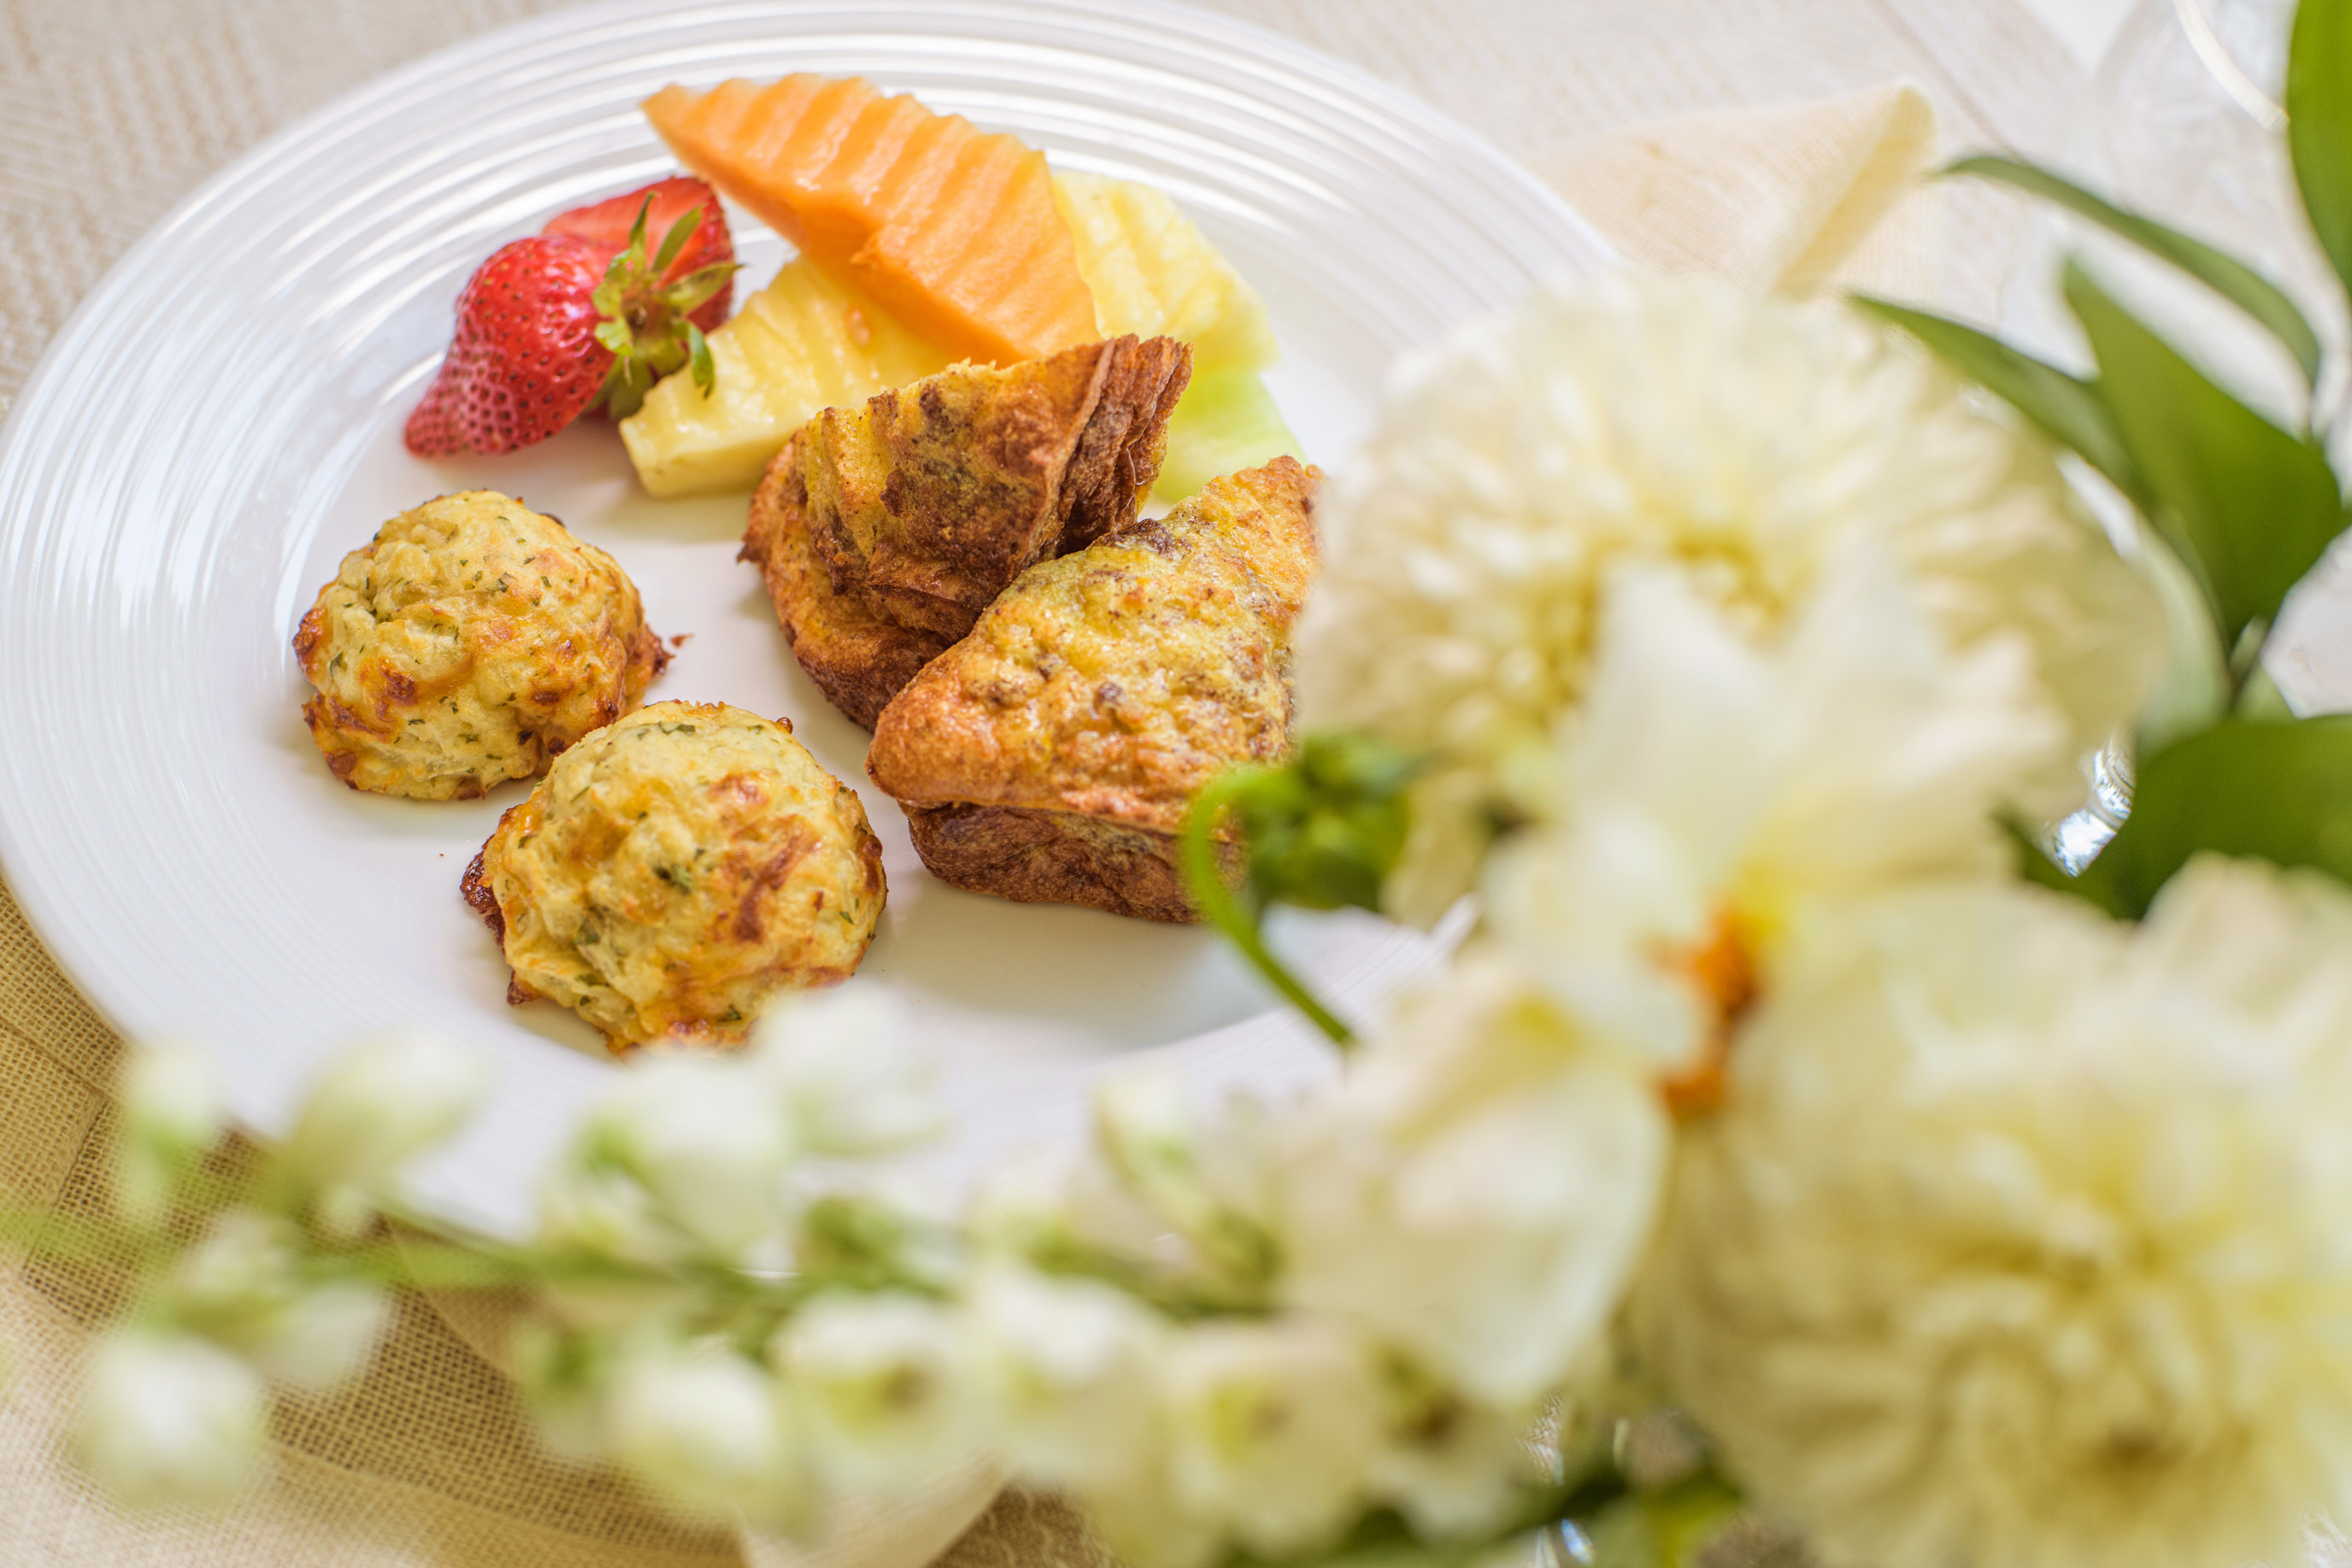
(221, 421)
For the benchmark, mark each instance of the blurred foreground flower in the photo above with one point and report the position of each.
(170, 1103)
(710, 1431)
(379, 1106)
(851, 1077)
(1709, 789)
(885, 1387)
(2021, 1236)
(244, 1285)
(1743, 444)
(1479, 1189)
(1272, 1430)
(168, 1421)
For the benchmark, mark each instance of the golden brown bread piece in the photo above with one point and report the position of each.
(677, 870)
(1049, 756)
(884, 531)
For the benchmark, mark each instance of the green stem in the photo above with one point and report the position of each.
(68, 1239)
(1223, 910)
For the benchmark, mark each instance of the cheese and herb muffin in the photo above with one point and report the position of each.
(677, 870)
(469, 644)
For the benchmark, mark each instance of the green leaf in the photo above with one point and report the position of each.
(706, 369)
(2068, 410)
(674, 241)
(2281, 791)
(2249, 506)
(1206, 867)
(2225, 274)
(2319, 123)
(698, 286)
(1324, 832)
(624, 386)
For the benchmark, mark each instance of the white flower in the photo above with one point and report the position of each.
(239, 1286)
(852, 1080)
(1049, 1200)
(1067, 1368)
(1454, 1468)
(323, 1336)
(2022, 1237)
(1273, 1427)
(169, 1100)
(683, 1153)
(1159, 1188)
(1204, 1179)
(884, 1385)
(167, 1421)
(1742, 442)
(1479, 1189)
(1710, 786)
(708, 1431)
(379, 1106)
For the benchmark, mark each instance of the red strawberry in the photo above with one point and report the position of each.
(607, 226)
(525, 361)
(554, 325)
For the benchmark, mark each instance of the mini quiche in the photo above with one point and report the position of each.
(469, 644)
(1050, 755)
(677, 870)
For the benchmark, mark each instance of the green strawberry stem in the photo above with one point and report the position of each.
(644, 321)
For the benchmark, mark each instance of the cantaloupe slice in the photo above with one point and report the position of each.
(951, 229)
(802, 344)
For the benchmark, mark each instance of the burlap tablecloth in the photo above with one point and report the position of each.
(1753, 137)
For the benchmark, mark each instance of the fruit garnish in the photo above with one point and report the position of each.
(803, 343)
(1152, 270)
(951, 229)
(1226, 421)
(577, 316)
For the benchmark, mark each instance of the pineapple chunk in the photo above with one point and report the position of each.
(1154, 273)
(802, 344)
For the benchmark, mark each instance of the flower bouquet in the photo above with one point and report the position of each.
(1795, 1158)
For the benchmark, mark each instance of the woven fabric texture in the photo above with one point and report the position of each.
(1750, 138)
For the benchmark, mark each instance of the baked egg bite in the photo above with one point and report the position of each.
(677, 869)
(469, 644)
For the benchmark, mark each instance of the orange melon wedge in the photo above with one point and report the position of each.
(952, 229)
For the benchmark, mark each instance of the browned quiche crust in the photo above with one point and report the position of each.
(884, 531)
(675, 872)
(1049, 756)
